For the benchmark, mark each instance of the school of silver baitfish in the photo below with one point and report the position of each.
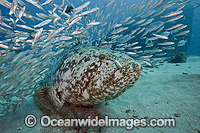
(28, 52)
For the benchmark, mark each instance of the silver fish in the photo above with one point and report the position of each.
(78, 9)
(46, 2)
(43, 23)
(37, 35)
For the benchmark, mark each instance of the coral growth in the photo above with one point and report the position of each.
(178, 58)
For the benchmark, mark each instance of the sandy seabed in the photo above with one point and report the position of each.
(170, 91)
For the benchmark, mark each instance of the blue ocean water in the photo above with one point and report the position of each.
(191, 48)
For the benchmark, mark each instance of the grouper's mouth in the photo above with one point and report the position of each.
(122, 72)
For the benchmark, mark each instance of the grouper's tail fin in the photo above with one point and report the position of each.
(48, 100)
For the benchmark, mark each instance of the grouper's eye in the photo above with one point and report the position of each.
(102, 56)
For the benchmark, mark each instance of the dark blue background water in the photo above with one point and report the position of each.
(194, 42)
(194, 47)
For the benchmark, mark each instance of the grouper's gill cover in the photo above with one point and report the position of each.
(89, 75)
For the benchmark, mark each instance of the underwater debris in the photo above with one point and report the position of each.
(184, 73)
(178, 58)
(128, 111)
(107, 103)
(135, 115)
(19, 128)
(177, 115)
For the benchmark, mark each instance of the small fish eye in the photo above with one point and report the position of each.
(102, 56)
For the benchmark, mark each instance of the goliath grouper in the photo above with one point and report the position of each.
(87, 76)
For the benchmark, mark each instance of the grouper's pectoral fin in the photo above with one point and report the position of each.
(49, 99)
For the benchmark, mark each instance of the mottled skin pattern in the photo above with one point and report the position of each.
(89, 75)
